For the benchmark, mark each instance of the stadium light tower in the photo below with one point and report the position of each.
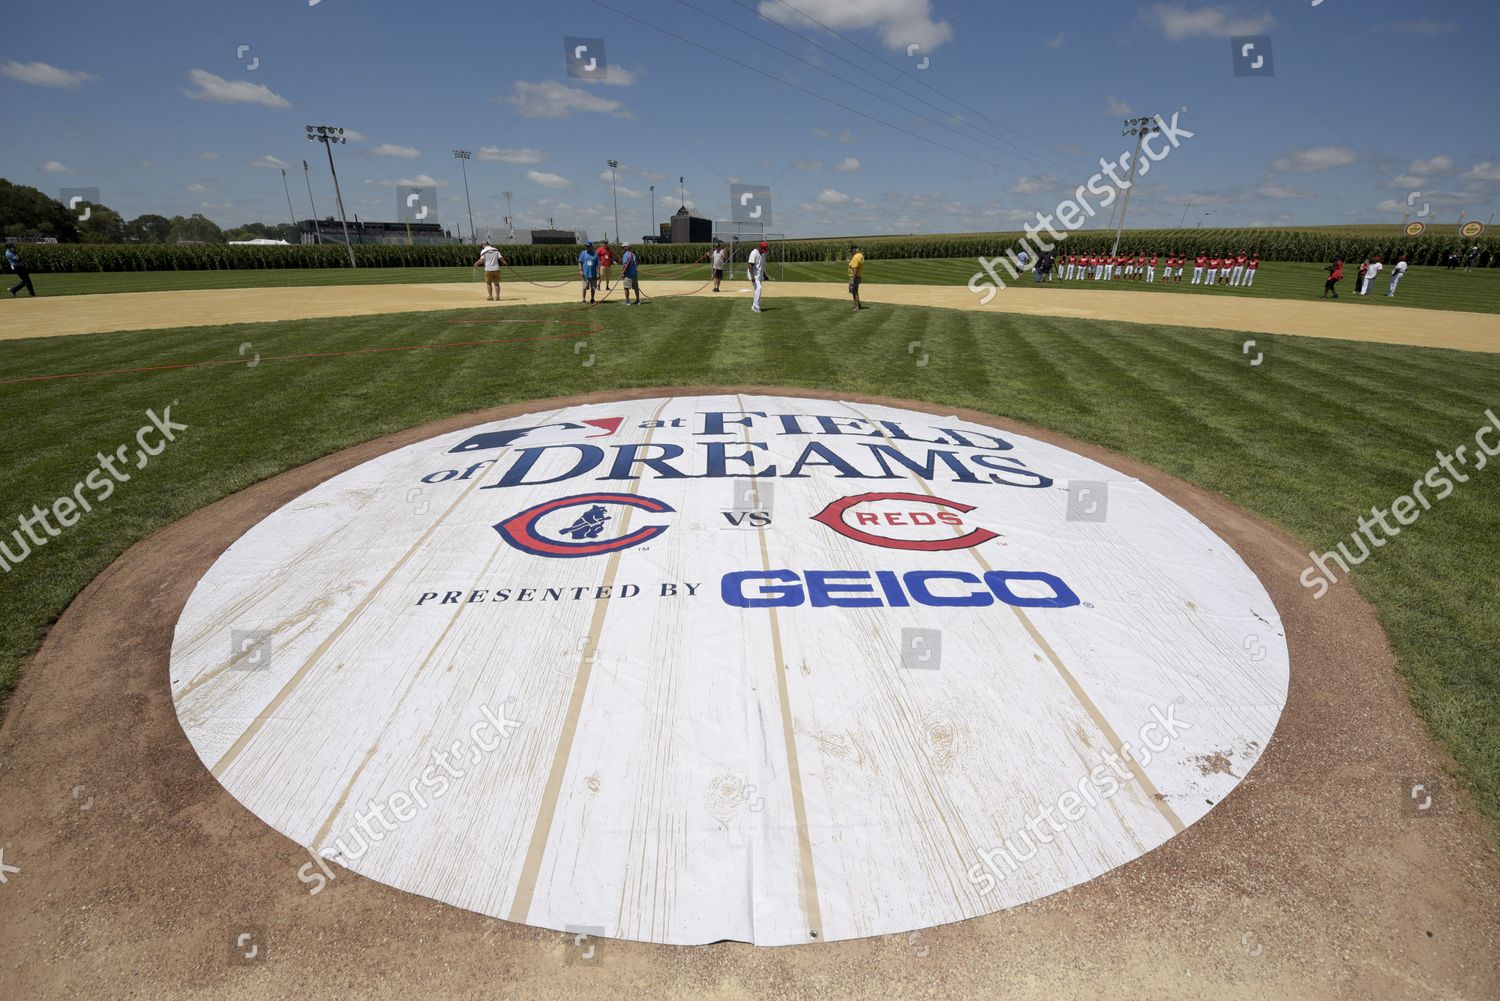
(462, 156)
(289, 210)
(654, 233)
(510, 222)
(328, 135)
(1140, 128)
(614, 165)
(317, 234)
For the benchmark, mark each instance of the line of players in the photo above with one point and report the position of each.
(1234, 270)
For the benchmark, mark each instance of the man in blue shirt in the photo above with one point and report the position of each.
(588, 270)
(632, 281)
(13, 262)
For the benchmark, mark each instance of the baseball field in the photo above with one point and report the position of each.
(1351, 848)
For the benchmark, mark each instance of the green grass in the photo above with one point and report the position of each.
(1309, 441)
(1427, 288)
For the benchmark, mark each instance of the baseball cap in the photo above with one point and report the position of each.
(763, 245)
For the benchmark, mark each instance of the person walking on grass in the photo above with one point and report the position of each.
(856, 273)
(1397, 273)
(588, 270)
(716, 262)
(491, 259)
(756, 267)
(1335, 272)
(630, 275)
(1369, 279)
(18, 268)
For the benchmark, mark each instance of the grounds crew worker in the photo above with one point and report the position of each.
(856, 273)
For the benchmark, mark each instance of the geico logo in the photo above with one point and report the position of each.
(868, 589)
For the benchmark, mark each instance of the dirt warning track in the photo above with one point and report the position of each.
(90, 314)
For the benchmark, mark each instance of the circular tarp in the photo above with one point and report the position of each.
(733, 667)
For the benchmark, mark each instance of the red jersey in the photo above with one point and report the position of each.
(605, 257)
(1140, 259)
(1213, 262)
(1201, 260)
(1153, 262)
(1240, 260)
(1254, 263)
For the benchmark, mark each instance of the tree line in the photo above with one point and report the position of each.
(30, 214)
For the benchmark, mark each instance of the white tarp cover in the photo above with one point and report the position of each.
(733, 667)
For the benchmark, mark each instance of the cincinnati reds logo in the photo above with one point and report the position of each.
(581, 525)
(907, 513)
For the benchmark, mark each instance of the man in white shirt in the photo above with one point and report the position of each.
(716, 261)
(1396, 273)
(1374, 269)
(491, 259)
(757, 268)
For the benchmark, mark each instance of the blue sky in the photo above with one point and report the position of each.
(158, 106)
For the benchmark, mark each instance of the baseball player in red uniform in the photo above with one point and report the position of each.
(1251, 267)
(606, 258)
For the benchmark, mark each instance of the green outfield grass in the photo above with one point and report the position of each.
(1310, 441)
(1425, 288)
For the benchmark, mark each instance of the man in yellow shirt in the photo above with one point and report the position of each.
(856, 273)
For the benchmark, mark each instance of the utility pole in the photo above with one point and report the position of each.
(682, 191)
(1140, 128)
(654, 233)
(462, 156)
(288, 190)
(510, 222)
(1184, 214)
(317, 234)
(613, 166)
(328, 135)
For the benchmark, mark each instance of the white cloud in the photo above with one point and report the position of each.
(1485, 171)
(1115, 106)
(1056, 41)
(197, 188)
(547, 180)
(1435, 167)
(391, 149)
(1315, 158)
(354, 137)
(495, 154)
(625, 192)
(1280, 191)
(208, 155)
(900, 22)
(44, 75)
(847, 165)
(1034, 185)
(54, 167)
(828, 196)
(269, 161)
(215, 88)
(845, 136)
(420, 181)
(614, 76)
(808, 165)
(550, 99)
(653, 176)
(1178, 22)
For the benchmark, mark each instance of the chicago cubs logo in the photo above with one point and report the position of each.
(903, 521)
(499, 439)
(581, 525)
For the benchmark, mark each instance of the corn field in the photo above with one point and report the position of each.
(1270, 244)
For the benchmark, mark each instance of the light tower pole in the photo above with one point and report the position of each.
(317, 234)
(614, 165)
(510, 221)
(1140, 128)
(289, 210)
(654, 233)
(462, 156)
(328, 135)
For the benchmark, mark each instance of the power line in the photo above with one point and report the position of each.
(892, 83)
(923, 82)
(811, 93)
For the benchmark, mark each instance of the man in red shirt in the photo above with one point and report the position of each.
(1250, 268)
(1151, 269)
(1239, 268)
(1213, 270)
(1198, 263)
(606, 258)
(1335, 272)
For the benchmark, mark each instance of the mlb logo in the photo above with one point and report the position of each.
(584, 58)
